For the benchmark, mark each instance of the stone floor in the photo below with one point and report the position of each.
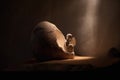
(79, 63)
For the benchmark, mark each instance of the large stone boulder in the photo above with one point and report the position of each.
(49, 43)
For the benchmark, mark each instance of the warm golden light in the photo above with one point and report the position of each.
(76, 60)
(88, 27)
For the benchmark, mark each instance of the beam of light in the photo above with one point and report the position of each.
(87, 30)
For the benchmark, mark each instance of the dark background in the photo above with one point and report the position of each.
(18, 18)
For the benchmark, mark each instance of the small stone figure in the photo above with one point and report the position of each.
(49, 43)
(70, 43)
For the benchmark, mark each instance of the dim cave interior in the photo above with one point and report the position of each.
(95, 24)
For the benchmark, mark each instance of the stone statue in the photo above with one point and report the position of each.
(49, 43)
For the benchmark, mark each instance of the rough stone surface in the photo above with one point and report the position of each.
(48, 42)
